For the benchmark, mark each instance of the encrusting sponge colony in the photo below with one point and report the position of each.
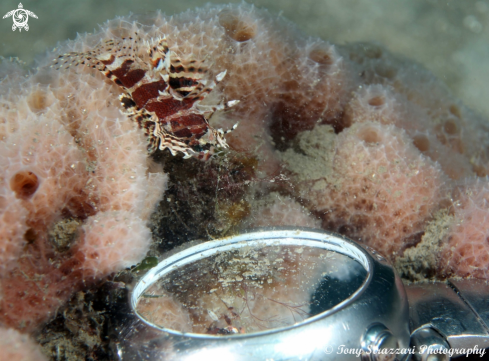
(348, 138)
(76, 191)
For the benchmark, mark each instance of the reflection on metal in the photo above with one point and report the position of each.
(457, 310)
(328, 317)
(376, 339)
(427, 342)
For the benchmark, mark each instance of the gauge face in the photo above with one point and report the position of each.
(250, 289)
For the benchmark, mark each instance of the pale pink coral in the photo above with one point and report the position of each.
(466, 251)
(277, 210)
(112, 241)
(314, 90)
(380, 103)
(15, 346)
(70, 155)
(380, 190)
(445, 127)
(42, 172)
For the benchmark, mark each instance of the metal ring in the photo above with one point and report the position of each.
(357, 324)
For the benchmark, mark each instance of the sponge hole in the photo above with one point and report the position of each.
(422, 143)
(376, 101)
(236, 28)
(37, 101)
(450, 127)
(24, 184)
(455, 110)
(321, 56)
(370, 135)
(30, 236)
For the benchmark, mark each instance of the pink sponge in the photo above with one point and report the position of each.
(443, 144)
(34, 290)
(439, 123)
(277, 210)
(76, 191)
(39, 160)
(357, 138)
(18, 347)
(379, 190)
(111, 241)
(466, 252)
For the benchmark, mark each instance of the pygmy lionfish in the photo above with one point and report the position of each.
(162, 94)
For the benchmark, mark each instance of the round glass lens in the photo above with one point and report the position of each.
(250, 289)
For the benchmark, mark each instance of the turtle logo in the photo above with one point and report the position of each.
(20, 17)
